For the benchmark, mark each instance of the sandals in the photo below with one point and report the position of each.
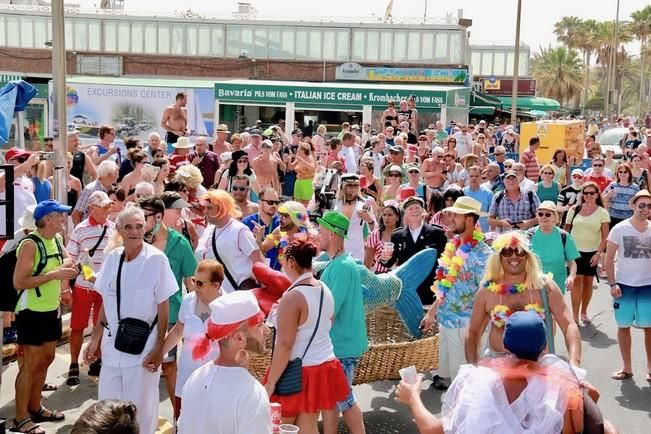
(49, 387)
(33, 429)
(621, 375)
(73, 375)
(586, 320)
(47, 415)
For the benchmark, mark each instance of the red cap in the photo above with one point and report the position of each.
(407, 192)
(14, 152)
(412, 148)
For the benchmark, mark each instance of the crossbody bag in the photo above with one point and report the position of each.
(291, 380)
(248, 283)
(132, 333)
(91, 252)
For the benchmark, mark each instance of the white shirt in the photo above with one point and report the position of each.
(146, 281)
(356, 230)
(193, 327)
(235, 243)
(633, 253)
(86, 236)
(23, 197)
(415, 233)
(348, 154)
(224, 400)
(378, 161)
(526, 185)
(464, 143)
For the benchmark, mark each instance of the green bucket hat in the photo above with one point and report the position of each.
(335, 222)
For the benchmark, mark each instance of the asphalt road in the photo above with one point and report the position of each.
(626, 403)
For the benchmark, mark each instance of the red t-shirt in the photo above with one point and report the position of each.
(601, 181)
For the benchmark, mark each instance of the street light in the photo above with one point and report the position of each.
(516, 67)
(61, 115)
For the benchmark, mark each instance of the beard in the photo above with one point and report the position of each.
(253, 345)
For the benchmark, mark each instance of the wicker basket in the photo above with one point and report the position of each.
(390, 349)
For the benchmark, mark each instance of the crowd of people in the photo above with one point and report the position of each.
(161, 245)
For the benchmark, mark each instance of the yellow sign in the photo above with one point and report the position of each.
(542, 130)
(555, 135)
(492, 86)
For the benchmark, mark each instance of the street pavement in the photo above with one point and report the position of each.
(626, 403)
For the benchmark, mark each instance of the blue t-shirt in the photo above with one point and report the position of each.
(458, 302)
(485, 197)
(272, 254)
(618, 206)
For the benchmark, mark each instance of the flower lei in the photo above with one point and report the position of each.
(282, 240)
(501, 313)
(502, 289)
(452, 259)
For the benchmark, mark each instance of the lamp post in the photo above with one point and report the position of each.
(60, 114)
(516, 67)
(614, 70)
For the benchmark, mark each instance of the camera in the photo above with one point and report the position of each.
(46, 156)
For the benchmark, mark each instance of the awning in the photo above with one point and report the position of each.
(532, 103)
(482, 104)
(482, 111)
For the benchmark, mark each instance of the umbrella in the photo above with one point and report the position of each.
(14, 97)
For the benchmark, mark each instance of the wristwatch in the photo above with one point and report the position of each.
(612, 284)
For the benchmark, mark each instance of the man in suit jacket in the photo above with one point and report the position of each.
(414, 236)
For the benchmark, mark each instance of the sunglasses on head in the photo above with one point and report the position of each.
(507, 252)
(236, 188)
(544, 214)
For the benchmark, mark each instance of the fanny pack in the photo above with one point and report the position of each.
(132, 333)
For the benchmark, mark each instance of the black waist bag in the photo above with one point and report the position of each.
(132, 333)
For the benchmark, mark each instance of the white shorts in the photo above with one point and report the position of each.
(135, 384)
(452, 352)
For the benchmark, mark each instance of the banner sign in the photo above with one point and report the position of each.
(356, 72)
(317, 96)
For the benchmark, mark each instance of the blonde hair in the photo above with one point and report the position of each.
(548, 166)
(494, 272)
(321, 129)
(189, 175)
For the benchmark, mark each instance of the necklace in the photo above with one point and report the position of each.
(502, 289)
(451, 261)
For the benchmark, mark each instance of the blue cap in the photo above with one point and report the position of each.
(525, 335)
(49, 206)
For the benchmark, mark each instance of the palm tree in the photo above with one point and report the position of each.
(603, 34)
(558, 72)
(641, 28)
(567, 31)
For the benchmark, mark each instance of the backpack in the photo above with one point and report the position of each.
(8, 294)
(500, 196)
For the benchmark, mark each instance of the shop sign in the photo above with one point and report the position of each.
(354, 71)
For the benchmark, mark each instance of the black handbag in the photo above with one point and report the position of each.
(248, 283)
(291, 381)
(132, 333)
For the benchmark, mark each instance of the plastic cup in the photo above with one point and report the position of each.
(388, 246)
(409, 374)
(288, 429)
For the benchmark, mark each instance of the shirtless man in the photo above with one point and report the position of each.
(304, 166)
(433, 170)
(220, 145)
(265, 167)
(175, 121)
(520, 288)
(240, 192)
(106, 149)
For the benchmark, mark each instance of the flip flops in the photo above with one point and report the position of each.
(621, 375)
(49, 387)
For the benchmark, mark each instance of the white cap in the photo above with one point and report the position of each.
(577, 172)
(226, 156)
(100, 199)
(229, 311)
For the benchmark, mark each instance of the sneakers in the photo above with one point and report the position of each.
(95, 368)
(9, 336)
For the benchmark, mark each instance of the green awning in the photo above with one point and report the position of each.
(478, 99)
(482, 111)
(532, 103)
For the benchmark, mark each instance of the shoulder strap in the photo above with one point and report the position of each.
(564, 240)
(43, 256)
(118, 284)
(548, 320)
(499, 197)
(92, 251)
(316, 327)
(577, 209)
(228, 274)
(530, 195)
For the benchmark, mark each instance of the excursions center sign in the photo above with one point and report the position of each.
(335, 96)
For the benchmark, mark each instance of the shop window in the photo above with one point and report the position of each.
(95, 36)
(399, 46)
(191, 47)
(177, 38)
(343, 45)
(26, 32)
(509, 63)
(499, 62)
(136, 37)
(441, 46)
(234, 40)
(217, 47)
(315, 50)
(203, 41)
(124, 37)
(164, 40)
(301, 43)
(110, 36)
(427, 47)
(386, 45)
(358, 45)
(372, 45)
(260, 43)
(151, 38)
(456, 47)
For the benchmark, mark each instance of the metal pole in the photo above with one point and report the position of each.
(20, 130)
(614, 70)
(60, 114)
(516, 67)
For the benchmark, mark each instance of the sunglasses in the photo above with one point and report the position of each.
(395, 175)
(422, 140)
(623, 172)
(412, 172)
(507, 252)
(199, 283)
(544, 214)
(240, 188)
(577, 176)
(547, 173)
(272, 202)
(597, 165)
(644, 206)
(498, 153)
(589, 193)
(507, 167)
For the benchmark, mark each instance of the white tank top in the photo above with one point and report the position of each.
(320, 350)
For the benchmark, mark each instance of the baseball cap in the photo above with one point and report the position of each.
(297, 131)
(100, 199)
(48, 207)
(577, 172)
(525, 335)
(172, 200)
(398, 149)
(510, 173)
(14, 153)
(255, 132)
